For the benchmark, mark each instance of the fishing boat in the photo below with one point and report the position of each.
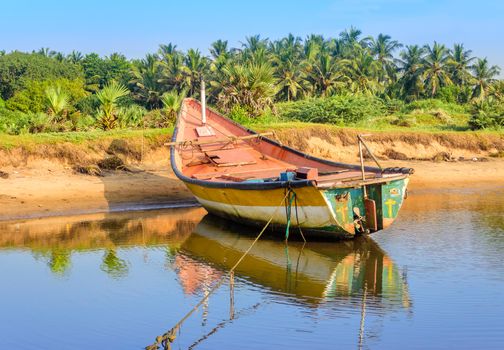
(246, 176)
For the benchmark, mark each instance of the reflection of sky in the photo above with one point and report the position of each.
(137, 28)
(450, 246)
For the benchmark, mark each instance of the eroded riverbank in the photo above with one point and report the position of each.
(51, 189)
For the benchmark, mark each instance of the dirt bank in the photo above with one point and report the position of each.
(41, 180)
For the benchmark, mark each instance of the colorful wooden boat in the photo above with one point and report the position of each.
(241, 175)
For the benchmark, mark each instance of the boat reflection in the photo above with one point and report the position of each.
(314, 272)
(201, 251)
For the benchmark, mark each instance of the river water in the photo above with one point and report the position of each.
(434, 280)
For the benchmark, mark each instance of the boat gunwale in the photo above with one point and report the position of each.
(264, 185)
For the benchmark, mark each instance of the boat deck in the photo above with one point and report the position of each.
(215, 152)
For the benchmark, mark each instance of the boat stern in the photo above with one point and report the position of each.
(352, 212)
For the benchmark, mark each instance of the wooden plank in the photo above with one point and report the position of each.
(231, 157)
(226, 139)
(371, 218)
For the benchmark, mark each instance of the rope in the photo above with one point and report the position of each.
(169, 337)
(288, 213)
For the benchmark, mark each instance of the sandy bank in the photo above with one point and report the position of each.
(41, 180)
(53, 189)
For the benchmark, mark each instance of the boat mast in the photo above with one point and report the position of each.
(203, 103)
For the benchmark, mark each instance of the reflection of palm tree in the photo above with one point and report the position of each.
(113, 265)
(59, 261)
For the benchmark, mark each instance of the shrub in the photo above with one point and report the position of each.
(17, 69)
(15, 122)
(155, 119)
(454, 94)
(428, 105)
(341, 109)
(239, 114)
(393, 105)
(88, 105)
(131, 116)
(33, 97)
(487, 115)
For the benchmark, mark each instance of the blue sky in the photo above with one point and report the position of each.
(138, 27)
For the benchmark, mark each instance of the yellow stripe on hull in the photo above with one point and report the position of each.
(306, 196)
(259, 205)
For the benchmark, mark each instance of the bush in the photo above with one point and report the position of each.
(15, 122)
(17, 69)
(454, 94)
(393, 105)
(342, 109)
(239, 114)
(155, 119)
(428, 105)
(88, 105)
(33, 98)
(131, 116)
(487, 115)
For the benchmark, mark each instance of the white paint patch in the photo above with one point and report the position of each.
(309, 216)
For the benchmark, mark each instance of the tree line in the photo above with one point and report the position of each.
(254, 76)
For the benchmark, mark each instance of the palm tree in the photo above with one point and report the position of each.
(383, 48)
(325, 75)
(249, 85)
(349, 39)
(57, 101)
(363, 72)
(351, 35)
(484, 76)
(108, 97)
(459, 61)
(290, 79)
(146, 82)
(195, 69)
(410, 64)
(254, 43)
(167, 51)
(312, 47)
(435, 68)
(219, 48)
(75, 57)
(286, 59)
(172, 101)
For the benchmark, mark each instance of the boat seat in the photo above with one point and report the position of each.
(242, 174)
(230, 157)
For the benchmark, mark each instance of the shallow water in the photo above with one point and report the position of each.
(433, 280)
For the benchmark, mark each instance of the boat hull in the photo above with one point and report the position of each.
(322, 213)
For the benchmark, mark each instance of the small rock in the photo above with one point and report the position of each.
(4, 175)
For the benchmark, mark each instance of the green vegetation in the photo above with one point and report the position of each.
(350, 80)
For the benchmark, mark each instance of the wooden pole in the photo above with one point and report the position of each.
(360, 137)
(231, 295)
(203, 102)
(362, 168)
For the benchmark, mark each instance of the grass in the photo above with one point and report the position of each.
(30, 140)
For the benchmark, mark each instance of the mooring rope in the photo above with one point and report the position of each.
(167, 338)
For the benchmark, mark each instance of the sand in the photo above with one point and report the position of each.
(48, 189)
